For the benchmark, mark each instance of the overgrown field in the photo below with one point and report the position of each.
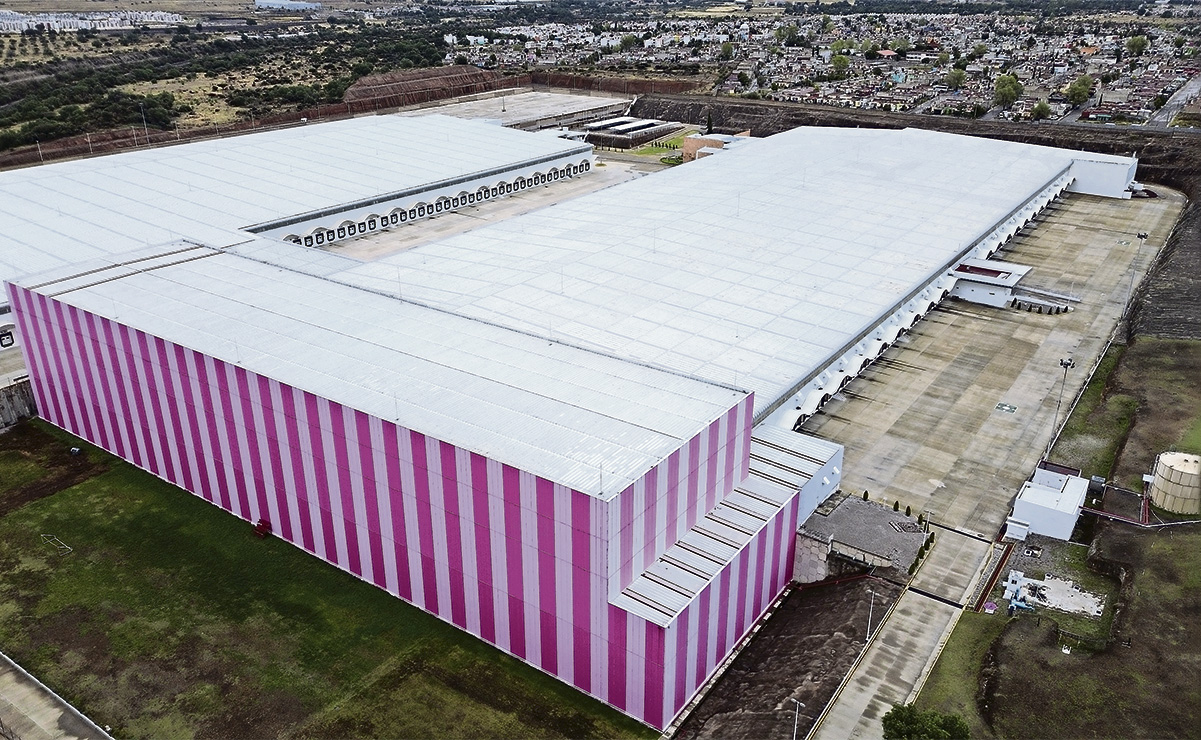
(1134, 409)
(1009, 678)
(171, 620)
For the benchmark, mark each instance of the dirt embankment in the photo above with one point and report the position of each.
(1169, 303)
(802, 653)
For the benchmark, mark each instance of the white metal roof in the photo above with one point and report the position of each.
(588, 421)
(1068, 498)
(754, 268)
(208, 191)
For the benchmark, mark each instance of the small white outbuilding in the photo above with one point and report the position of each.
(1048, 504)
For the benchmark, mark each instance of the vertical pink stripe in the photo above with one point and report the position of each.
(312, 407)
(172, 401)
(712, 464)
(68, 378)
(581, 586)
(682, 692)
(545, 492)
(344, 492)
(77, 341)
(425, 533)
(744, 455)
(93, 372)
(731, 449)
(650, 517)
(236, 465)
(511, 478)
(31, 345)
(743, 564)
(453, 534)
(288, 397)
(723, 610)
(702, 635)
(693, 489)
(483, 546)
(675, 516)
(653, 688)
(204, 385)
(255, 432)
(400, 536)
(617, 657)
(373, 488)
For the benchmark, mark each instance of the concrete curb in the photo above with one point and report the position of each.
(66, 706)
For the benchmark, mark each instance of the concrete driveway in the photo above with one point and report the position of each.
(952, 421)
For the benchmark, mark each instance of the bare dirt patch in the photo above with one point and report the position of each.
(40, 465)
(803, 652)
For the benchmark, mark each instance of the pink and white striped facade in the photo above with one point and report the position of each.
(521, 562)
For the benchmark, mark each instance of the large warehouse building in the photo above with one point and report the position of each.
(568, 432)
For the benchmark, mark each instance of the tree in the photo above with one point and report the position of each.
(1006, 90)
(744, 79)
(841, 62)
(954, 79)
(727, 52)
(943, 58)
(1080, 90)
(900, 46)
(907, 722)
(841, 46)
(1040, 111)
(629, 41)
(1136, 45)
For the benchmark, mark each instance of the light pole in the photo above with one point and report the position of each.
(796, 721)
(1142, 239)
(871, 605)
(1066, 364)
(145, 128)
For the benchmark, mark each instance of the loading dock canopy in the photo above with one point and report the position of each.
(991, 272)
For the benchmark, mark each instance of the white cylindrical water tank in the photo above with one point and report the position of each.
(1176, 483)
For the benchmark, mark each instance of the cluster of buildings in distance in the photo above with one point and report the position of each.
(937, 63)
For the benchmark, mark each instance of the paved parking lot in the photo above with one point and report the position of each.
(954, 418)
(31, 712)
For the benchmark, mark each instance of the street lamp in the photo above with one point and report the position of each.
(796, 721)
(871, 605)
(1066, 364)
(1142, 239)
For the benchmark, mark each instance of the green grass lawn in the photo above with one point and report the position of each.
(18, 470)
(670, 146)
(952, 685)
(1099, 424)
(171, 620)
